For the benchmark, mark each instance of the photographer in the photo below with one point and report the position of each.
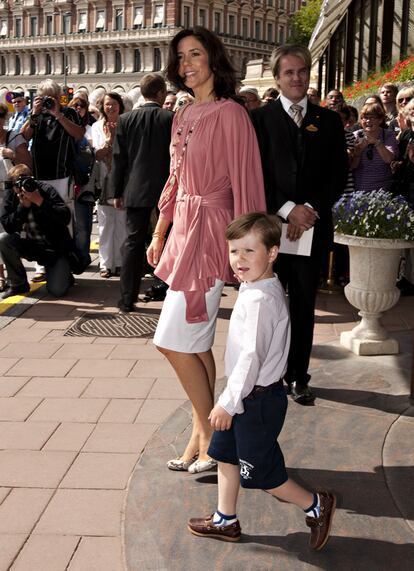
(36, 220)
(53, 131)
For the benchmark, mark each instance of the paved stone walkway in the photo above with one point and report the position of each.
(76, 414)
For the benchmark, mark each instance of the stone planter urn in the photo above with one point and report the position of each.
(373, 273)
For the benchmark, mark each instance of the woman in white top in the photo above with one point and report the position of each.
(111, 222)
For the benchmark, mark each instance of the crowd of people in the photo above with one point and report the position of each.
(205, 169)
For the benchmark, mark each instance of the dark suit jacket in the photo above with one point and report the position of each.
(141, 158)
(306, 166)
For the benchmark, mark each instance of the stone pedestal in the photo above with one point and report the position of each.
(373, 274)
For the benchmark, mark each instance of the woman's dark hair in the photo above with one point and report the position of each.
(218, 60)
(79, 101)
(112, 95)
(3, 110)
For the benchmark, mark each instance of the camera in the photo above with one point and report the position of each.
(27, 183)
(48, 102)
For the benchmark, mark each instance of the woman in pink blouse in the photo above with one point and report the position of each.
(215, 176)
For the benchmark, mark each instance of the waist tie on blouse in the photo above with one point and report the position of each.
(196, 308)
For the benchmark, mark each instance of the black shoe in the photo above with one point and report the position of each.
(15, 290)
(126, 307)
(302, 394)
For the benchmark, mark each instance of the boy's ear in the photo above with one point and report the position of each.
(273, 252)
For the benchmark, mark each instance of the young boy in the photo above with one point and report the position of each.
(250, 412)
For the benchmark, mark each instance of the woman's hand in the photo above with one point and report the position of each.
(155, 250)
(402, 122)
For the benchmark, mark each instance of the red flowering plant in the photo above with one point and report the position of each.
(402, 72)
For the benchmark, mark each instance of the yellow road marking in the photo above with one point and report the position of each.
(94, 246)
(5, 304)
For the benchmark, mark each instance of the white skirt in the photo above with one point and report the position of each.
(175, 333)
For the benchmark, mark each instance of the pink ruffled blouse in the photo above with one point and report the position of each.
(220, 177)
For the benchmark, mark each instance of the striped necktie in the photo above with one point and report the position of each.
(296, 114)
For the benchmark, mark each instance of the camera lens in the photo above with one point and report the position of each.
(48, 102)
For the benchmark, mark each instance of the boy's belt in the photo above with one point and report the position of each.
(260, 389)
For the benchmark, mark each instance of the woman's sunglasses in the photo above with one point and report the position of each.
(81, 105)
(404, 99)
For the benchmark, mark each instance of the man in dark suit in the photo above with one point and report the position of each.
(140, 167)
(305, 167)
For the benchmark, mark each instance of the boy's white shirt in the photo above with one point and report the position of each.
(257, 343)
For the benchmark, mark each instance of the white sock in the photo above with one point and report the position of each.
(315, 509)
(220, 519)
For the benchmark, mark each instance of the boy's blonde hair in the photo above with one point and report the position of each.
(269, 227)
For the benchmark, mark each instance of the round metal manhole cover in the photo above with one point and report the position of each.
(114, 325)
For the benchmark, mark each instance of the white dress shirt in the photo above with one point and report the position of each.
(258, 341)
(284, 211)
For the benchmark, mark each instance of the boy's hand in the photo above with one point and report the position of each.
(220, 419)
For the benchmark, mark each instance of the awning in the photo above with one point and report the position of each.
(100, 24)
(332, 13)
(159, 14)
(82, 21)
(139, 17)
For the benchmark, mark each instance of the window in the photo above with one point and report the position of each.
(67, 23)
(158, 15)
(99, 62)
(3, 29)
(83, 22)
(18, 27)
(186, 16)
(33, 25)
(17, 65)
(138, 17)
(157, 59)
(232, 25)
(282, 5)
(118, 61)
(257, 30)
(202, 18)
(119, 19)
(48, 64)
(270, 32)
(270, 2)
(2, 65)
(32, 65)
(217, 22)
(49, 25)
(100, 20)
(137, 60)
(64, 64)
(292, 6)
(81, 63)
(281, 34)
(245, 28)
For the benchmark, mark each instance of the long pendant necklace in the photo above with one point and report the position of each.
(173, 180)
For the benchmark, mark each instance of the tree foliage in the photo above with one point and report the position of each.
(303, 22)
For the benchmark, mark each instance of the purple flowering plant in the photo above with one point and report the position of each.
(376, 214)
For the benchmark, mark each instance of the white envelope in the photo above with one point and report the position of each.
(301, 247)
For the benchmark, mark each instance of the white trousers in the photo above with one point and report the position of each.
(112, 234)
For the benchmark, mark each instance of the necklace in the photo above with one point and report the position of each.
(172, 184)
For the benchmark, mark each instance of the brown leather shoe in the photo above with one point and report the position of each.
(321, 526)
(204, 527)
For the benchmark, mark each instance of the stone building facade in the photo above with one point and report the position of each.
(111, 43)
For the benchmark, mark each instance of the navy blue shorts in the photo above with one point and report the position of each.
(251, 442)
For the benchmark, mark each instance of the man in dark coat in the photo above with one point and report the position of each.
(305, 167)
(140, 167)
